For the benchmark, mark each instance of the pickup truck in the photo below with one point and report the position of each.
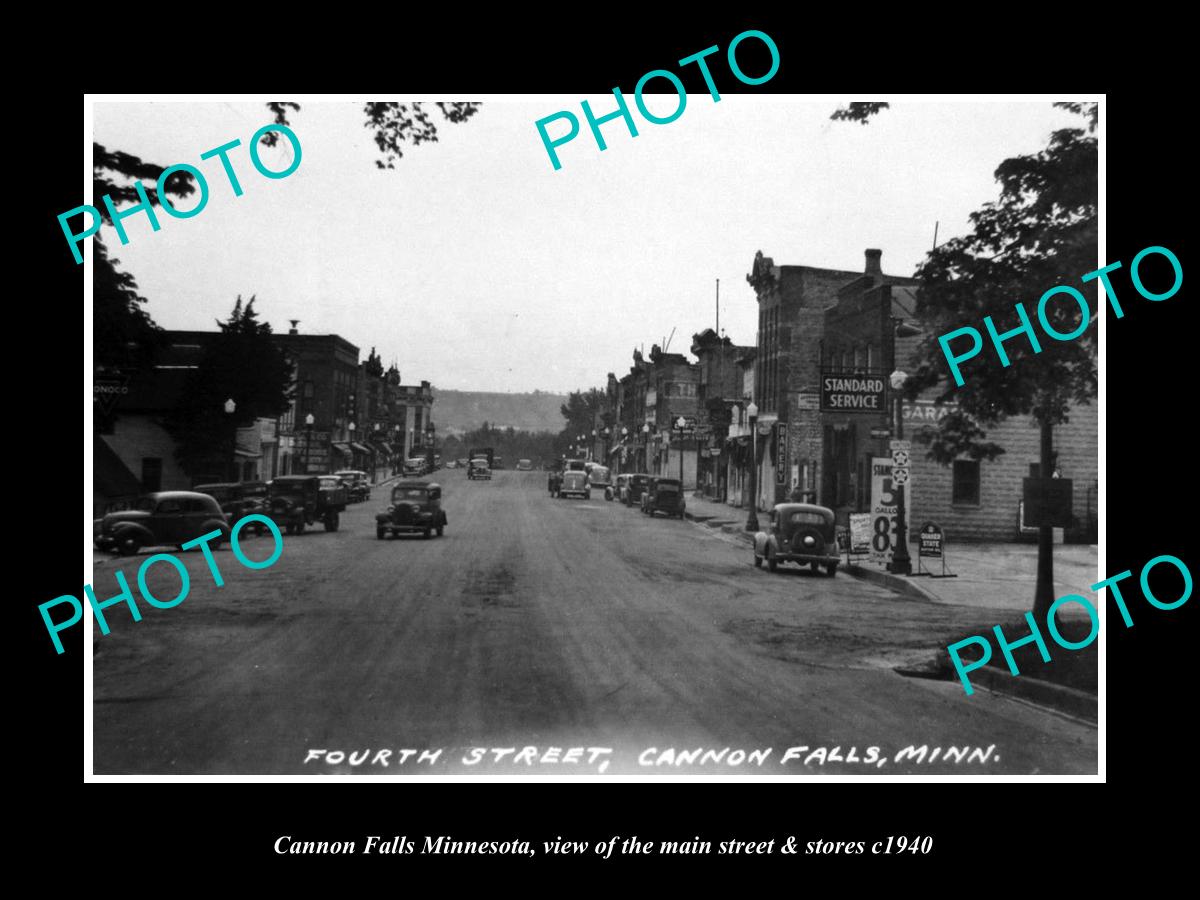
(294, 501)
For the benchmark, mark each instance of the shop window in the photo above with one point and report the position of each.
(966, 481)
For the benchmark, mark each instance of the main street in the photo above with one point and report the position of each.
(538, 623)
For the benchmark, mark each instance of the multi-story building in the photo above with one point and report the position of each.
(719, 389)
(314, 433)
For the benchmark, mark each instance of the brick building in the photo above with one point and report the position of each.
(719, 389)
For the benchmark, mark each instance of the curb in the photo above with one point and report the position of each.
(712, 522)
(906, 587)
(1055, 696)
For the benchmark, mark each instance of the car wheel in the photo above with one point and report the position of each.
(587, 496)
(425, 534)
(772, 562)
(332, 521)
(380, 532)
(816, 567)
(300, 528)
(831, 569)
(440, 529)
(130, 546)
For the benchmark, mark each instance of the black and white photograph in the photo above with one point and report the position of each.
(673, 434)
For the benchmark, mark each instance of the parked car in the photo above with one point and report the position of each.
(634, 488)
(299, 500)
(575, 484)
(462, 462)
(358, 484)
(479, 469)
(164, 518)
(452, 464)
(231, 498)
(800, 533)
(416, 506)
(664, 495)
(524, 465)
(601, 480)
(414, 466)
(497, 462)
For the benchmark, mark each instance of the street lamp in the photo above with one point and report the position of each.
(680, 423)
(646, 447)
(752, 518)
(901, 563)
(230, 409)
(308, 427)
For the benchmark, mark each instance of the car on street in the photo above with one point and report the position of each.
(800, 533)
(462, 462)
(416, 507)
(664, 495)
(634, 487)
(298, 500)
(575, 484)
(524, 465)
(165, 518)
(479, 468)
(600, 479)
(230, 496)
(358, 484)
(451, 464)
(414, 466)
(497, 462)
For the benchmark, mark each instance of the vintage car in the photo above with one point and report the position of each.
(633, 489)
(600, 479)
(358, 484)
(575, 484)
(294, 501)
(478, 468)
(663, 495)
(167, 518)
(231, 498)
(800, 533)
(497, 462)
(416, 506)
(524, 465)
(414, 466)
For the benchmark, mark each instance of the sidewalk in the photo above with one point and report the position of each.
(989, 575)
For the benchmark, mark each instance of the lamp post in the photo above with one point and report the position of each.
(752, 519)
(646, 447)
(901, 563)
(679, 423)
(624, 449)
(308, 427)
(230, 409)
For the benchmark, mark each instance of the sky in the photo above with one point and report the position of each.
(476, 266)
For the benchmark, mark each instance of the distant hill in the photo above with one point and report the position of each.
(455, 412)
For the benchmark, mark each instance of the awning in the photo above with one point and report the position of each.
(342, 448)
(111, 477)
(360, 448)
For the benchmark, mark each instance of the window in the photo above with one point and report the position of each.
(151, 474)
(966, 481)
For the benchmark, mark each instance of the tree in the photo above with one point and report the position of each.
(1040, 233)
(581, 411)
(242, 363)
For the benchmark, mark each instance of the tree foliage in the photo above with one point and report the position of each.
(242, 363)
(584, 410)
(1040, 232)
(858, 112)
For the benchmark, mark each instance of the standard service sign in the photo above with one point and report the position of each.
(853, 393)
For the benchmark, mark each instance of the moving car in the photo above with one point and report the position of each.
(358, 485)
(163, 518)
(298, 500)
(479, 468)
(632, 492)
(416, 506)
(575, 484)
(414, 466)
(800, 533)
(663, 495)
(497, 462)
(599, 478)
(524, 465)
